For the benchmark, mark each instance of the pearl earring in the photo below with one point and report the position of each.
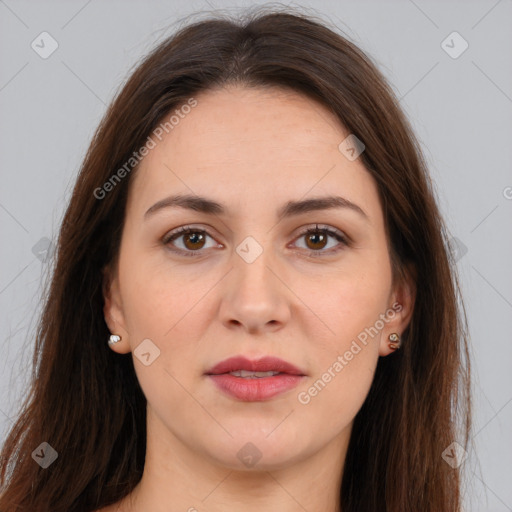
(394, 341)
(114, 338)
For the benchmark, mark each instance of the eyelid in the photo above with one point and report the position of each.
(343, 239)
(183, 230)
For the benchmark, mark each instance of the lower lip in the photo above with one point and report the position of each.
(258, 389)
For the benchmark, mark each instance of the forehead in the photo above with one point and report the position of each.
(234, 121)
(246, 145)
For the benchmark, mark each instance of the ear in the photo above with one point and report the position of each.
(400, 309)
(113, 309)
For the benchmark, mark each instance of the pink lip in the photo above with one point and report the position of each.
(265, 364)
(257, 389)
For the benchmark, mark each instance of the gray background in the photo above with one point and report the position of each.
(461, 109)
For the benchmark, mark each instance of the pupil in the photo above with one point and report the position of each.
(317, 237)
(196, 236)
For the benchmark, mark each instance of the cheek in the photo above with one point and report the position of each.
(346, 354)
(346, 304)
(165, 308)
(166, 305)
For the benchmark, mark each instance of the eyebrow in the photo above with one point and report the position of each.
(290, 209)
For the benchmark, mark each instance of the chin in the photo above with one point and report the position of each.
(255, 450)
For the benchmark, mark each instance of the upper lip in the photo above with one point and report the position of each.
(264, 364)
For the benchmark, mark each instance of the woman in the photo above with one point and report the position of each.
(253, 301)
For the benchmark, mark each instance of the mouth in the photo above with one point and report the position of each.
(249, 368)
(246, 374)
(255, 380)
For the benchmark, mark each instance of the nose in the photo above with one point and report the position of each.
(255, 299)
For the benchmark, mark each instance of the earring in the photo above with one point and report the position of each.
(114, 338)
(394, 341)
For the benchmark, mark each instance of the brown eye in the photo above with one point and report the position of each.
(195, 239)
(317, 239)
(192, 240)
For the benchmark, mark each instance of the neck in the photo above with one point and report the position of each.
(176, 477)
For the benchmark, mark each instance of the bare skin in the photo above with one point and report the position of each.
(251, 150)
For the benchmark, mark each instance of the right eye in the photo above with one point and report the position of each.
(193, 240)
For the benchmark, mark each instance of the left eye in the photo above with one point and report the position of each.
(193, 236)
(319, 237)
(194, 240)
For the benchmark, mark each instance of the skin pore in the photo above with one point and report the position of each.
(304, 299)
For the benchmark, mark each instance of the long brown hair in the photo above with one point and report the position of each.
(85, 400)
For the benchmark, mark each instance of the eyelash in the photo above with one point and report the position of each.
(184, 230)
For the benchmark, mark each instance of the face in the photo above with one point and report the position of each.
(249, 280)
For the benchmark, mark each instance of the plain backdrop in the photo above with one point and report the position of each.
(455, 88)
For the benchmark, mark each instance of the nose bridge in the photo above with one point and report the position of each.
(252, 262)
(255, 296)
